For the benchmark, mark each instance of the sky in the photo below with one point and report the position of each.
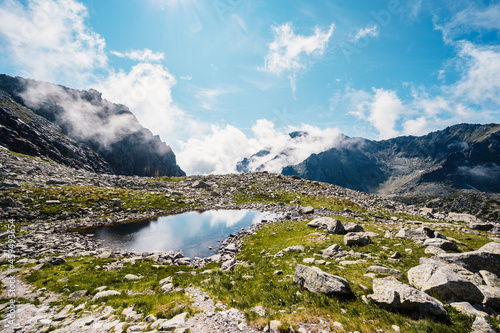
(219, 80)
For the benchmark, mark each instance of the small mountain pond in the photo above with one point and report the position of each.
(192, 232)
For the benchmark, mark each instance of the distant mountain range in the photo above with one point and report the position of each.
(460, 157)
(79, 129)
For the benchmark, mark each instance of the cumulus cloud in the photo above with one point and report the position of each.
(365, 32)
(140, 55)
(220, 151)
(147, 90)
(480, 81)
(288, 51)
(49, 40)
(385, 110)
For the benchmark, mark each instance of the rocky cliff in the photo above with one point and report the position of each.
(463, 157)
(79, 129)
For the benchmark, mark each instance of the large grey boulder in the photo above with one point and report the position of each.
(320, 222)
(353, 227)
(450, 283)
(356, 238)
(491, 296)
(485, 258)
(331, 251)
(333, 226)
(391, 293)
(421, 234)
(317, 281)
(441, 243)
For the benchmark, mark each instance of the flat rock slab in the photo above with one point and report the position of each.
(391, 293)
(320, 282)
(384, 271)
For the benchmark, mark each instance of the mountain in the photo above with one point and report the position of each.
(460, 157)
(80, 129)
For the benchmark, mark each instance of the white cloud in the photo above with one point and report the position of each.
(147, 91)
(220, 151)
(366, 32)
(49, 40)
(286, 52)
(480, 81)
(217, 152)
(140, 55)
(471, 19)
(385, 110)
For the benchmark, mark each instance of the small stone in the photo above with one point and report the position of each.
(77, 294)
(396, 255)
(274, 326)
(259, 310)
(105, 293)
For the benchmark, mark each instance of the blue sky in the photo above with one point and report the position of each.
(220, 79)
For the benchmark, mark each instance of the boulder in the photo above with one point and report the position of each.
(481, 325)
(306, 210)
(105, 293)
(441, 243)
(333, 226)
(228, 265)
(200, 184)
(167, 287)
(391, 293)
(317, 281)
(131, 277)
(448, 283)
(491, 296)
(422, 233)
(467, 309)
(487, 257)
(295, 248)
(331, 251)
(165, 281)
(175, 322)
(353, 227)
(356, 238)
(56, 260)
(490, 279)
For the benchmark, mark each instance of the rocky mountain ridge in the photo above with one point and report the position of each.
(79, 129)
(460, 157)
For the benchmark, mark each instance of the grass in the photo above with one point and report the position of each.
(88, 273)
(98, 199)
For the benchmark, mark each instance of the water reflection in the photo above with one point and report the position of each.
(191, 232)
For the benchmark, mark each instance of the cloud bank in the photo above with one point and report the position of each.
(220, 151)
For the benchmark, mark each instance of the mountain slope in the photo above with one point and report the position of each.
(109, 130)
(465, 157)
(23, 131)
